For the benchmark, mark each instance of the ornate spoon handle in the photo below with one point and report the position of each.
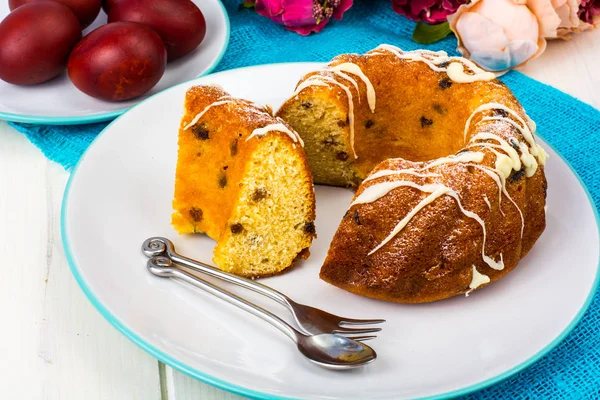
(163, 267)
(162, 246)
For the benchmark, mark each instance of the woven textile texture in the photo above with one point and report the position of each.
(572, 370)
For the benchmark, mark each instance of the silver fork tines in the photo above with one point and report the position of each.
(310, 320)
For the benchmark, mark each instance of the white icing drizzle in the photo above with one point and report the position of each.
(528, 160)
(501, 183)
(349, 79)
(542, 155)
(496, 178)
(388, 172)
(503, 144)
(208, 107)
(378, 190)
(503, 164)
(467, 156)
(355, 70)
(455, 69)
(456, 72)
(438, 190)
(487, 201)
(524, 128)
(477, 280)
(308, 82)
(530, 123)
(317, 80)
(279, 127)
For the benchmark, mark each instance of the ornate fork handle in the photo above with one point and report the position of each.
(156, 246)
(163, 267)
(309, 319)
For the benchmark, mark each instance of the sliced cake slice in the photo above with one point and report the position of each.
(243, 179)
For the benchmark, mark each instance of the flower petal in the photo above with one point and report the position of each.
(492, 59)
(298, 13)
(547, 17)
(521, 51)
(479, 34)
(342, 8)
(268, 8)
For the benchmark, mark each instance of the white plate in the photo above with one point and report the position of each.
(59, 102)
(120, 194)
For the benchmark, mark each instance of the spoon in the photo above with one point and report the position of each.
(310, 320)
(327, 350)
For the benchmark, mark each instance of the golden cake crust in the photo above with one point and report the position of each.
(216, 194)
(420, 115)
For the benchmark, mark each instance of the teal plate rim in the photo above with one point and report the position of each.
(90, 119)
(242, 391)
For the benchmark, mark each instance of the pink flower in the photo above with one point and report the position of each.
(429, 11)
(589, 11)
(302, 16)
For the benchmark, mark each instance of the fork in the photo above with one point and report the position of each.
(310, 320)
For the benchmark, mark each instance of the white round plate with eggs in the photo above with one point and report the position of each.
(59, 102)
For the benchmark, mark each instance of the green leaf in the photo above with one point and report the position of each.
(426, 34)
(246, 4)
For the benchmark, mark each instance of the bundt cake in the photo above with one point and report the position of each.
(451, 185)
(234, 168)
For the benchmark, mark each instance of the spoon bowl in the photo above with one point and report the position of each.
(335, 351)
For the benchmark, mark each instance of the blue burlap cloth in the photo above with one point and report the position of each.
(570, 371)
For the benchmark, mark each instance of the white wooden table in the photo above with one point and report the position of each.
(54, 344)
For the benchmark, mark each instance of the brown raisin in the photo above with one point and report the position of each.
(309, 227)
(341, 124)
(425, 122)
(545, 189)
(233, 147)
(514, 143)
(196, 214)
(438, 108)
(236, 228)
(259, 194)
(200, 131)
(306, 104)
(516, 175)
(369, 123)
(356, 217)
(342, 156)
(445, 83)
(500, 112)
(222, 180)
